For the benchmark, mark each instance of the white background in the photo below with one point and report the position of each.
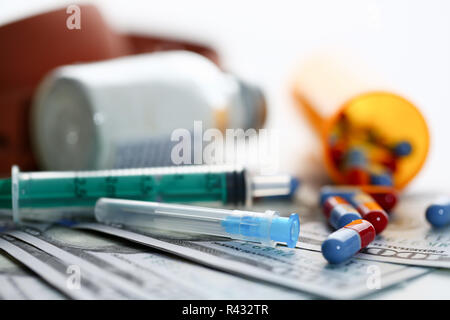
(406, 41)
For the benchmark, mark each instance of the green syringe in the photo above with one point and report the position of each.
(52, 196)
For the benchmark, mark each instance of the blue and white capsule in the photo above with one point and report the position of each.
(438, 213)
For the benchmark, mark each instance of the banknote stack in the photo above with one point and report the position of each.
(89, 260)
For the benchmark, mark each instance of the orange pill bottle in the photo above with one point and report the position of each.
(330, 87)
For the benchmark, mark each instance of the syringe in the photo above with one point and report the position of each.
(267, 228)
(52, 196)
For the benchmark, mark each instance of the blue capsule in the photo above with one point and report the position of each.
(438, 214)
(383, 179)
(344, 243)
(356, 158)
(402, 149)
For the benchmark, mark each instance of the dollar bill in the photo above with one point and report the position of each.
(154, 273)
(17, 283)
(408, 239)
(51, 270)
(298, 269)
(59, 267)
(93, 270)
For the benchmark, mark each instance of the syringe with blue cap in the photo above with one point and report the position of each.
(267, 227)
(52, 196)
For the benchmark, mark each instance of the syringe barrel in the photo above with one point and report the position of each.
(273, 186)
(51, 196)
(267, 228)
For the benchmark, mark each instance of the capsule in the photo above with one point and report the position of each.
(337, 151)
(389, 162)
(438, 214)
(339, 212)
(402, 149)
(357, 176)
(380, 175)
(371, 211)
(385, 196)
(356, 158)
(381, 178)
(345, 192)
(356, 163)
(344, 243)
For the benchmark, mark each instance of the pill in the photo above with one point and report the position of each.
(371, 211)
(381, 179)
(355, 167)
(344, 243)
(339, 212)
(356, 158)
(357, 176)
(389, 162)
(346, 192)
(438, 213)
(402, 149)
(386, 197)
(337, 153)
